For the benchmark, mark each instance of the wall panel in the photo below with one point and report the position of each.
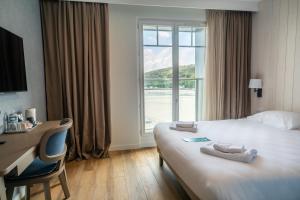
(296, 87)
(282, 48)
(276, 55)
(274, 51)
(290, 55)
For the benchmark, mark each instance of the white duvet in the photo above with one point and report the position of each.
(275, 174)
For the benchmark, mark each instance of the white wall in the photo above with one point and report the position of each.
(124, 68)
(23, 18)
(276, 55)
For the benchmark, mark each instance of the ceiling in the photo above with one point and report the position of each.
(245, 5)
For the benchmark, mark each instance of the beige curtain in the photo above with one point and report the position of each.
(228, 65)
(75, 37)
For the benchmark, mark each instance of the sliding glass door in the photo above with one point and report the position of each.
(158, 74)
(191, 65)
(172, 58)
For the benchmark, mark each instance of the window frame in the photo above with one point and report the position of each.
(175, 24)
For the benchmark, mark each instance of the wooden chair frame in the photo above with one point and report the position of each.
(60, 172)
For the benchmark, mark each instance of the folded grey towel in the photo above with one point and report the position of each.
(247, 156)
(229, 148)
(189, 129)
(185, 124)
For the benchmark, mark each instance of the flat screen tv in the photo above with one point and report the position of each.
(12, 63)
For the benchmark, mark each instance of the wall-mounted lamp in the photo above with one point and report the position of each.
(256, 84)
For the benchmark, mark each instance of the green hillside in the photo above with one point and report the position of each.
(152, 77)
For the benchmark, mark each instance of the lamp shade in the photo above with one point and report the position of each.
(255, 83)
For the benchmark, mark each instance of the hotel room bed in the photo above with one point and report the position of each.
(274, 174)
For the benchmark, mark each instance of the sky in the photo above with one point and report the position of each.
(161, 57)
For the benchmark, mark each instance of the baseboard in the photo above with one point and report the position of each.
(148, 144)
(145, 141)
(123, 147)
(131, 146)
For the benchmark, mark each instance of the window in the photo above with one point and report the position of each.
(172, 58)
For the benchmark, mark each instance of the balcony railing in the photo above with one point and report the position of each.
(158, 100)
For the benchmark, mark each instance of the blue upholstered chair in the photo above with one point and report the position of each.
(49, 164)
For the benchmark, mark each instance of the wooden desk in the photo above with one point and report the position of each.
(20, 150)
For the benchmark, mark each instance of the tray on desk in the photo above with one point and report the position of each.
(22, 130)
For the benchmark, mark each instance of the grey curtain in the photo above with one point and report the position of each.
(228, 65)
(76, 52)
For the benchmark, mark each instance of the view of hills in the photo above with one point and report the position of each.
(153, 78)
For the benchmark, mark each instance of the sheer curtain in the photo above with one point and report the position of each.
(75, 36)
(228, 65)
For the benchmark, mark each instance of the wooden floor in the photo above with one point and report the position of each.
(126, 175)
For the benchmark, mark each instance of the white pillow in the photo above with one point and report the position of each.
(258, 117)
(278, 119)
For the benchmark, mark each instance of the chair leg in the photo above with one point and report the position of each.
(64, 183)
(28, 192)
(47, 190)
(9, 192)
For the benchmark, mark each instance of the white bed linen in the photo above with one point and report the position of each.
(275, 174)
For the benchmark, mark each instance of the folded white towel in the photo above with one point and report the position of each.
(247, 156)
(185, 124)
(188, 129)
(229, 148)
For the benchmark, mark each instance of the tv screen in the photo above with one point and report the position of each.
(12, 64)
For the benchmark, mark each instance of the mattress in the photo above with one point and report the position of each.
(275, 173)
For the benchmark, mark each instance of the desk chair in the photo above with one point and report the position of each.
(49, 164)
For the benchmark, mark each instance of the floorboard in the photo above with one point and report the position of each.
(126, 175)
